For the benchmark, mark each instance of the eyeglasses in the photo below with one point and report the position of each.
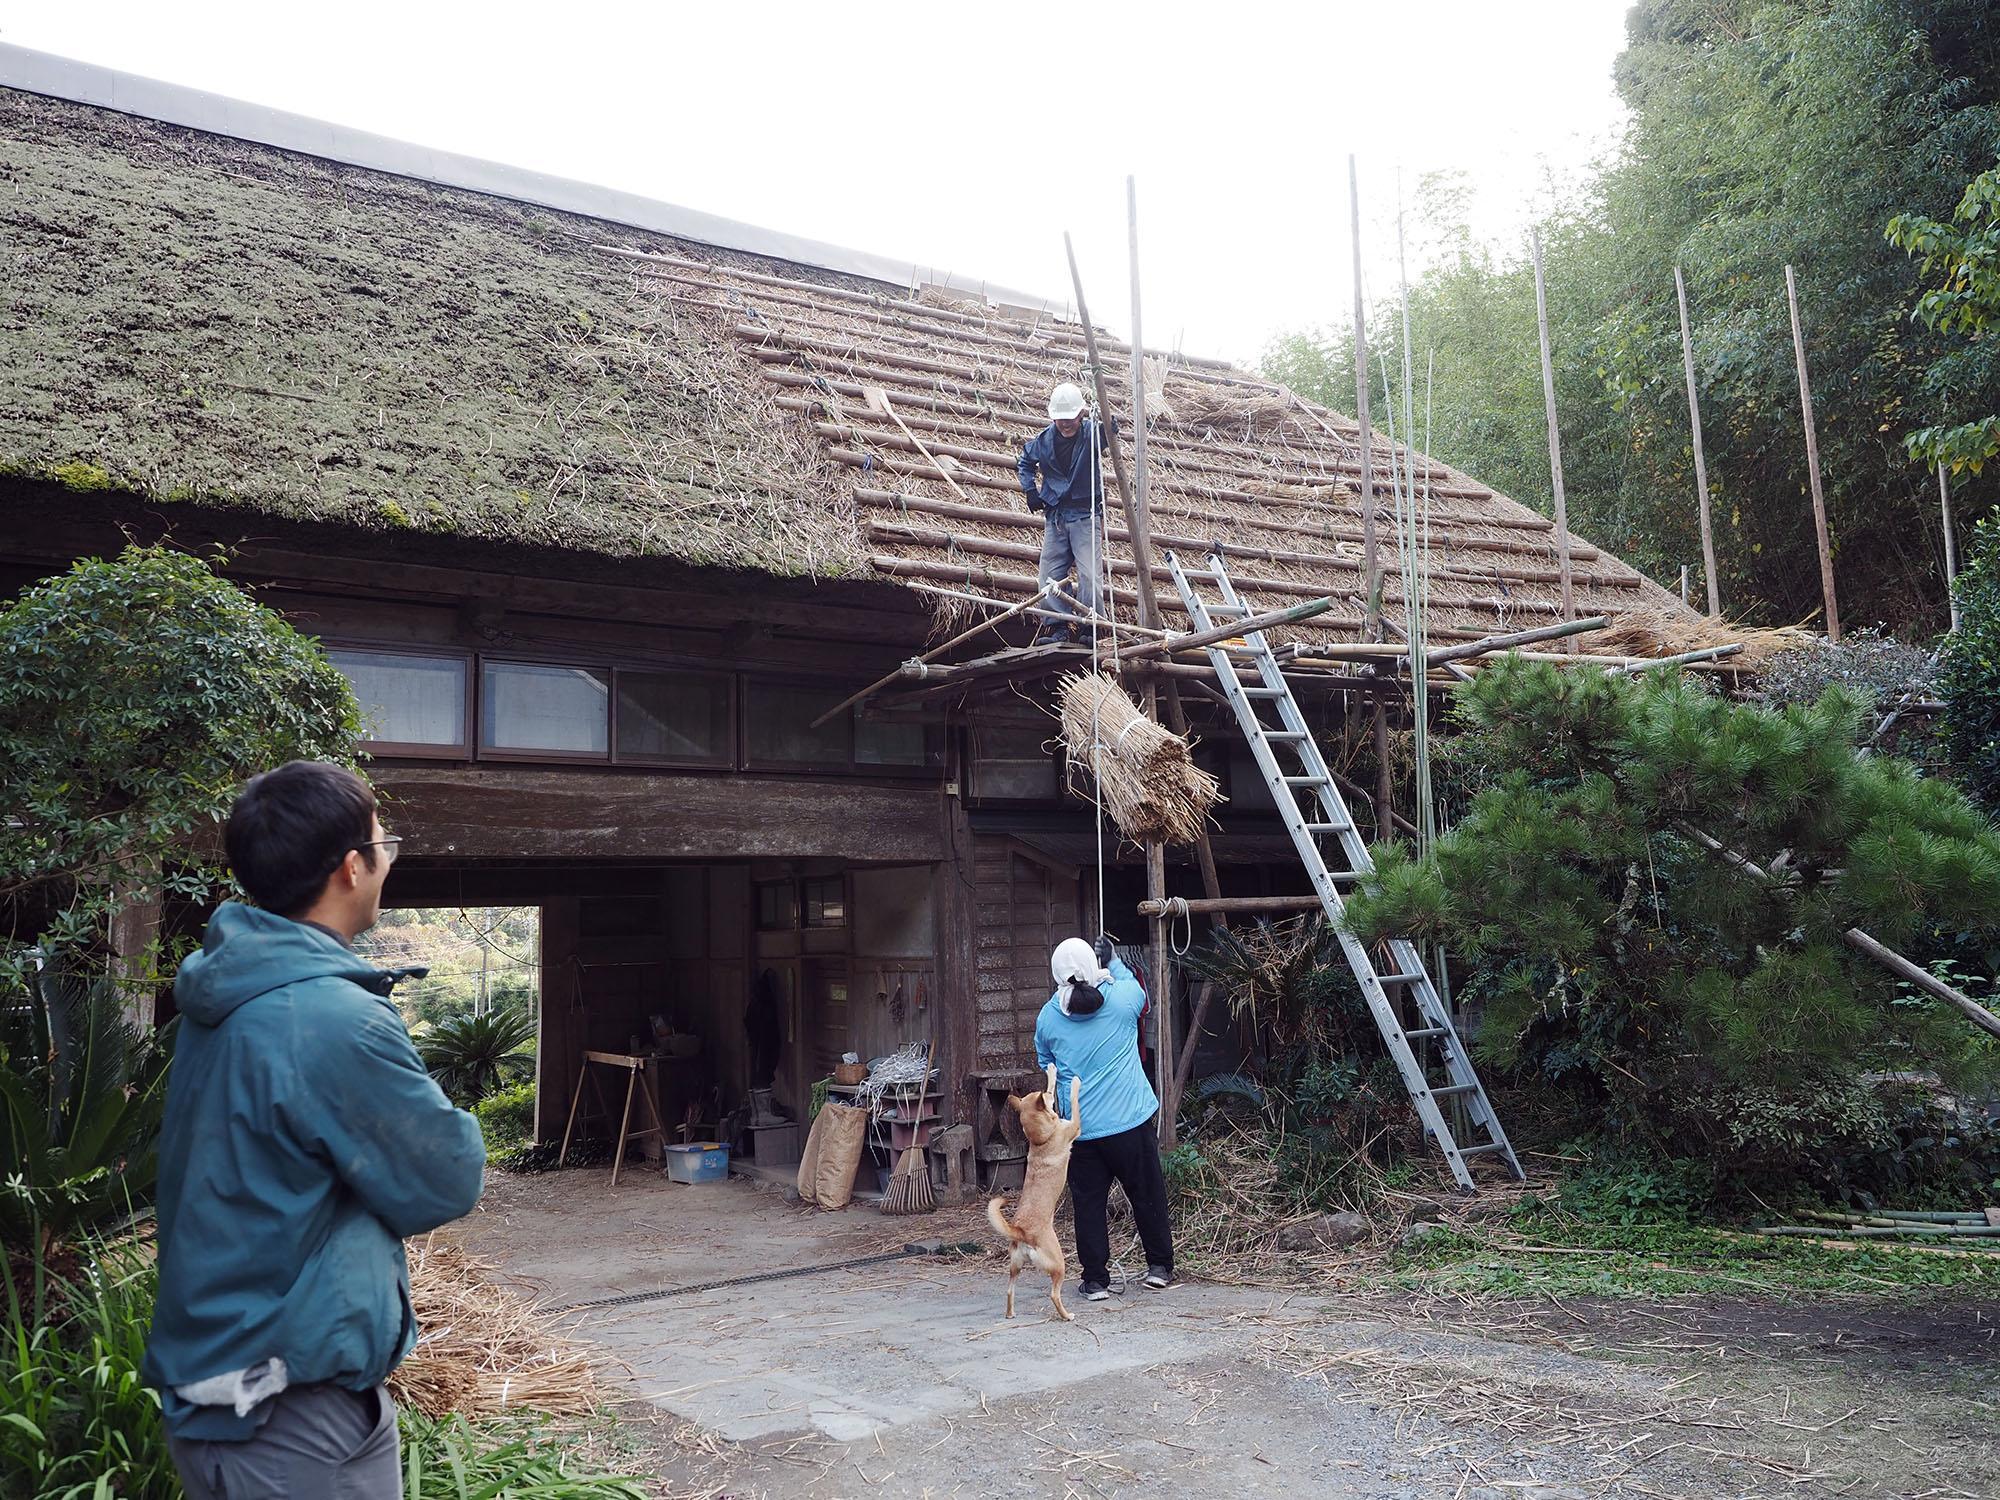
(389, 846)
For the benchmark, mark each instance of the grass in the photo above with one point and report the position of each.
(1539, 1249)
(77, 1420)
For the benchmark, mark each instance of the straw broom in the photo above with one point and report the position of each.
(910, 1184)
(1149, 782)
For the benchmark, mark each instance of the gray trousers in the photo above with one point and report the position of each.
(319, 1443)
(1069, 537)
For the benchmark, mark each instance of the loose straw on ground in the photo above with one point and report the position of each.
(1149, 782)
(484, 1349)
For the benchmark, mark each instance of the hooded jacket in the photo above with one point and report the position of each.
(303, 1142)
(1050, 485)
(1102, 1049)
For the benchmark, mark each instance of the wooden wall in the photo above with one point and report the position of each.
(1023, 908)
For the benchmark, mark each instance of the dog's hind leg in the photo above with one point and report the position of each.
(1012, 1272)
(1055, 1296)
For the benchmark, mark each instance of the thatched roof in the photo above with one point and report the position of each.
(192, 317)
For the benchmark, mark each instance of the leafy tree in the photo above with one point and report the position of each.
(471, 1056)
(1970, 679)
(1614, 955)
(136, 696)
(1966, 253)
(1762, 132)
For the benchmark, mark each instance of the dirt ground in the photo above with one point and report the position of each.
(901, 1378)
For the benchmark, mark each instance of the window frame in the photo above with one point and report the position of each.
(468, 729)
(732, 752)
(547, 757)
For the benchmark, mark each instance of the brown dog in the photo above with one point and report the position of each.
(1032, 1234)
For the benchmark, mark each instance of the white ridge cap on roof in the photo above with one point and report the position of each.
(86, 83)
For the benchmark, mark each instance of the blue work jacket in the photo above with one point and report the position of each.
(1047, 485)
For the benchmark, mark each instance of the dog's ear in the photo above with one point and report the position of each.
(1013, 1101)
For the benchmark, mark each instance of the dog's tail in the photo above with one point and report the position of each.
(999, 1222)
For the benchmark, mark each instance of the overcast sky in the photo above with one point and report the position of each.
(967, 137)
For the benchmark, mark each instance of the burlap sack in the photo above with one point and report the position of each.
(833, 1152)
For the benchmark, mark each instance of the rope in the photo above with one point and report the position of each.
(1177, 911)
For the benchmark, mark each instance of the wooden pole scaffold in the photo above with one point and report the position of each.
(1820, 530)
(1555, 438)
(1950, 545)
(1700, 460)
(1371, 563)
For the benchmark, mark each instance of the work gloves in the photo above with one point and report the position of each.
(1103, 949)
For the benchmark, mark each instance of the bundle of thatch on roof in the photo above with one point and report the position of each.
(1657, 632)
(483, 1349)
(1149, 782)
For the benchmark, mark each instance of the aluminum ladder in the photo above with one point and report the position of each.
(1325, 816)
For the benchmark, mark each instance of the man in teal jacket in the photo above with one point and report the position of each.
(303, 1142)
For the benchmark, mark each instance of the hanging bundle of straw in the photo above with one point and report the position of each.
(483, 1349)
(1150, 784)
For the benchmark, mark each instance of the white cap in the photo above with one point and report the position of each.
(1065, 401)
(1075, 959)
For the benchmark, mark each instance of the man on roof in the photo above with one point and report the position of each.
(1062, 474)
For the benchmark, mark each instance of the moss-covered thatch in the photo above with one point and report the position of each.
(194, 318)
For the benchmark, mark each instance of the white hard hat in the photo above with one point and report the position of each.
(1065, 401)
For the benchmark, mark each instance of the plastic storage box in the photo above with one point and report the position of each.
(704, 1161)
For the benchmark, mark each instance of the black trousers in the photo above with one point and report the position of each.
(1132, 1159)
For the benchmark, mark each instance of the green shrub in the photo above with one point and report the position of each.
(471, 1056)
(507, 1116)
(1622, 967)
(81, 1094)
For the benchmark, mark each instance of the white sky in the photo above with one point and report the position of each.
(958, 136)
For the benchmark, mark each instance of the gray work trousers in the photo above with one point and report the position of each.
(319, 1443)
(1069, 536)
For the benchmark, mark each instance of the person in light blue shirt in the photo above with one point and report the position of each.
(1089, 1030)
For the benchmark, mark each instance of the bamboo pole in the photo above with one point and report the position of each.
(1370, 569)
(1229, 630)
(1862, 943)
(1236, 904)
(1555, 437)
(1950, 546)
(932, 655)
(1820, 529)
(1135, 517)
(1700, 460)
(1516, 638)
(1142, 548)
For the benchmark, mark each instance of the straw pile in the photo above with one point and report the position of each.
(483, 1349)
(1150, 784)
(1647, 632)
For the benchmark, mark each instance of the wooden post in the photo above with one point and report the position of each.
(1950, 546)
(1700, 461)
(1684, 583)
(1812, 466)
(1555, 438)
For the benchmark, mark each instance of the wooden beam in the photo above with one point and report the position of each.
(1821, 532)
